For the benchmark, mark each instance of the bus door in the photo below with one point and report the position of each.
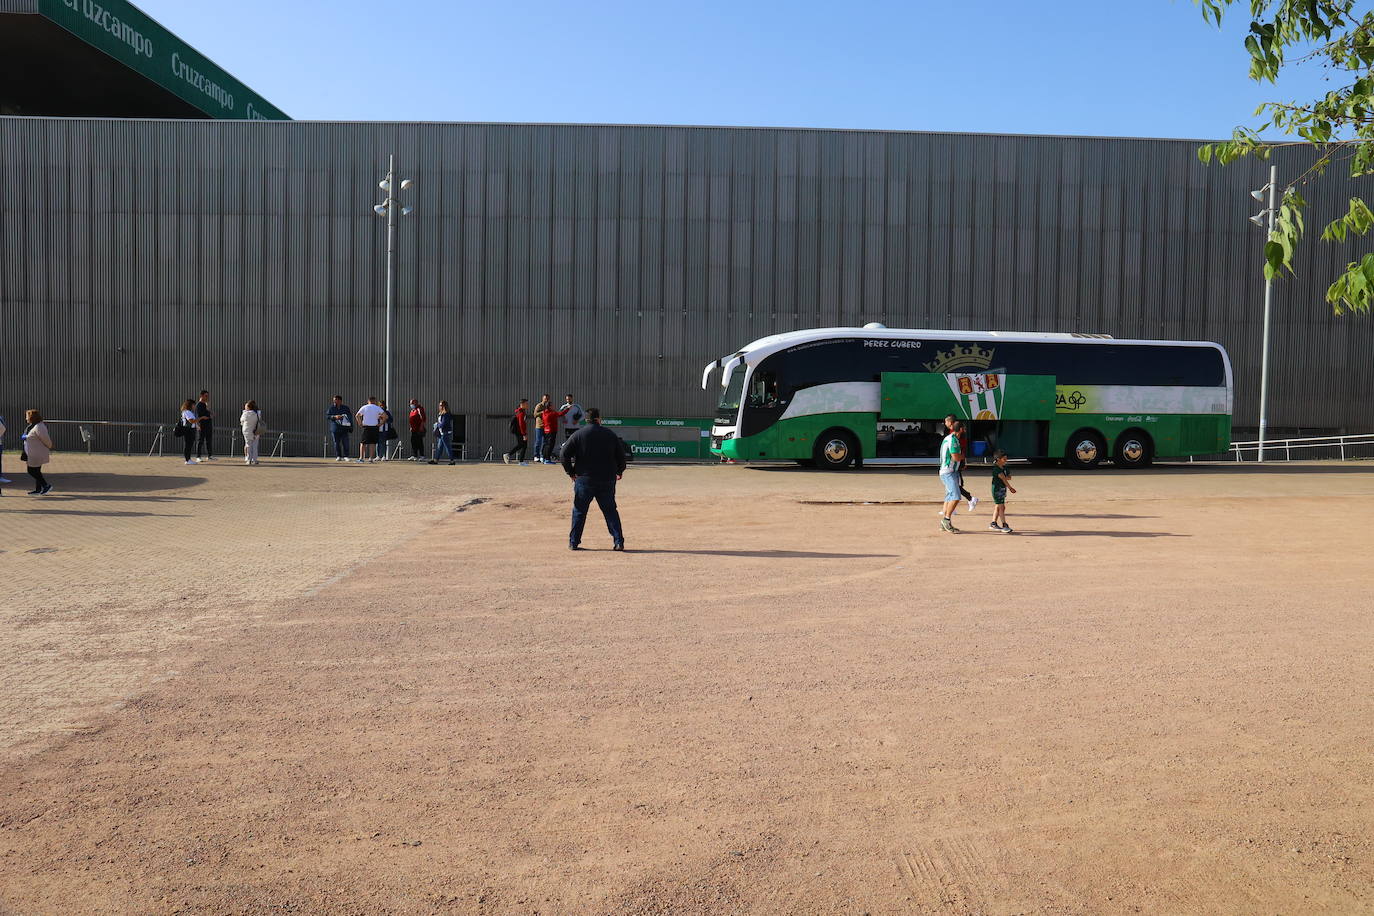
(1011, 412)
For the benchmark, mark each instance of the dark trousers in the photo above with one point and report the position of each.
(603, 491)
(39, 481)
(549, 439)
(417, 444)
(340, 443)
(188, 441)
(206, 439)
(518, 450)
(962, 492)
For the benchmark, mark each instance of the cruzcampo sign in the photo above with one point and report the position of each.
(663, 437)
(125, 33)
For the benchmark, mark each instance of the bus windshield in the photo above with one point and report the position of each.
(730, 396)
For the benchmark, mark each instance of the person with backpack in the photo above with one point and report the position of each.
(519, 430)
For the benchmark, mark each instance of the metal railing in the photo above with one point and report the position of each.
(1311, 447)
(129, 437)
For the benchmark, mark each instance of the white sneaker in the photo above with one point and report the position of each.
(359, 460)
(973, 504)
(506, 458)
(190, 461)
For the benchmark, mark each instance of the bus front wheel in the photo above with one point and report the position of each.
(1133, 449)
(835, 450)
(1086, 450)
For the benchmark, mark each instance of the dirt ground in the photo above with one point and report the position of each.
(315, 688)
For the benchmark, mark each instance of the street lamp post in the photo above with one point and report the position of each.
(388, 209)
(1265, 218)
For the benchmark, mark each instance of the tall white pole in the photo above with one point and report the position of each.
(1268, 297)
(391, 267)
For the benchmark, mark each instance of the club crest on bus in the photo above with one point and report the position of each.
(961, 356)
(983, 392)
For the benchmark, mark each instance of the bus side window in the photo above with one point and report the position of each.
(763, 389)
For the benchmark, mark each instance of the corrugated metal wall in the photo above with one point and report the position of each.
(612, 262)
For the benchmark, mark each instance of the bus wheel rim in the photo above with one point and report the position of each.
(1086, 450)
(836, 450)
(1133, 450)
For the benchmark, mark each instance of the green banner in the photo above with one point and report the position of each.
(128, 35)
(664, 437)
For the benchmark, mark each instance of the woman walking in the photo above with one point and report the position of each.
(186, 428)
(251, 421)
(37, 445)
(443, 434)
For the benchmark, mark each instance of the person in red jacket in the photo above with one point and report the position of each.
(519, 430)
(417, 431)
(548, 422)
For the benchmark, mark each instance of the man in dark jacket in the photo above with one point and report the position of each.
(595, 459)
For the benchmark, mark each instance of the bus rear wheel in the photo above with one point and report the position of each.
(835, 450)
(1133, 449)
(1086, 450)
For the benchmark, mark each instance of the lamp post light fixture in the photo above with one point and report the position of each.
(1265, 220)
(389, 208)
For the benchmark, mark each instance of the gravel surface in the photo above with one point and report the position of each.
(316, 688)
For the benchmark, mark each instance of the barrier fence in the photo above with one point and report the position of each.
(1310, 448)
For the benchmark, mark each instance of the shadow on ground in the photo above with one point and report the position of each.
(121, 483)
(772, 554)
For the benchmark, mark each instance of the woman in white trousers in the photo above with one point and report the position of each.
(251, 421)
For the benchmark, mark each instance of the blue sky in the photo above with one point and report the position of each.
(1145, 68)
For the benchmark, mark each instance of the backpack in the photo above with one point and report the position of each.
(514, 425)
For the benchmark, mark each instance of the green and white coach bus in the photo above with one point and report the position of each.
(835, 397)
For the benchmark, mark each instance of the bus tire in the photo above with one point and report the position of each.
(836, 449)
(1134, 449)
(1086, 450)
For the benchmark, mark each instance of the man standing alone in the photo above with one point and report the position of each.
(417, 420)
(205, 422)
(594, 458)
(340, 417)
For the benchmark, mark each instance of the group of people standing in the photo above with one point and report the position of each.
(196, 430)
(548, 418)
(377, 425)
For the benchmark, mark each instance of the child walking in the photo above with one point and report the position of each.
(1001, 483)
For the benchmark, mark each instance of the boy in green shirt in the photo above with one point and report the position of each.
(1001, 483)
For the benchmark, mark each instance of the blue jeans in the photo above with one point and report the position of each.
(603, 491)
(539, 443)
(441, 444)
(341, 443)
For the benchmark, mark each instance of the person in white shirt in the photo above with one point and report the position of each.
(186, 428)
(251, 421)
(369, 417)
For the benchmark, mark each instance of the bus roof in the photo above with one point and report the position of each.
(774, 343)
